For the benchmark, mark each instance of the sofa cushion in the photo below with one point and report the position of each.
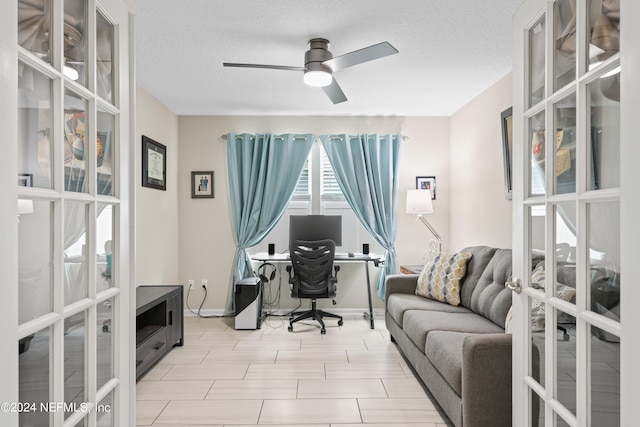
(398, 304)
(417, 324)
(441, 276)
(481, 255)
(444, 351)
(491, 298)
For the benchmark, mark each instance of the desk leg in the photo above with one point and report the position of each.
(370, 313)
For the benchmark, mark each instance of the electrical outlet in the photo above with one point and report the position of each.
(191, 283)
(205, 282)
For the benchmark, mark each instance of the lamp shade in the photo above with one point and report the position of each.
(419, 201)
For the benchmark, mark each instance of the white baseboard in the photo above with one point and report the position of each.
(217, 312)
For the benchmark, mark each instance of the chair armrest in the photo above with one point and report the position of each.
(486, 380)
(400, 283)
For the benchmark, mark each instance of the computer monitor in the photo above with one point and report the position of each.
(315, 227)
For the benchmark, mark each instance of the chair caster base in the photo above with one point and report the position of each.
(323, 331)
(290, 328)
(340, 323)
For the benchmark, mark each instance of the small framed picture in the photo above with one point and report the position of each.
(154, 164)
(25, 180)
(427, 183)
(202, 185)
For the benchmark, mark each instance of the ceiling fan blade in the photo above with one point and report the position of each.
(335, 94)
(359, 56)
(272, 67)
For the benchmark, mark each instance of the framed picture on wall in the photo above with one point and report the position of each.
(506, 122)
(202, 185)
(427, 183)
(25, 180)
(154, 164)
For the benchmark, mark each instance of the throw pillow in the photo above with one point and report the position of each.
(564, 292)
(441, 276)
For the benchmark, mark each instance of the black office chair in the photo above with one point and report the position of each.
(313, 277)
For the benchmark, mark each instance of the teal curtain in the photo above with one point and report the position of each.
(263, 172)
(366, 169)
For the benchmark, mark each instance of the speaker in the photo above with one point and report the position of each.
(248, 303)
(272, 249)
(365, 248)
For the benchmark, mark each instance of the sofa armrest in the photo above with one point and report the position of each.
(400, 283)
(486, 380)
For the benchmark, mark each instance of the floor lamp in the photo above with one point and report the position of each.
(419, 203)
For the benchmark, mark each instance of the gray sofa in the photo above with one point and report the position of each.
(461, 353)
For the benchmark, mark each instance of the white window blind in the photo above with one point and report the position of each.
(329, 188)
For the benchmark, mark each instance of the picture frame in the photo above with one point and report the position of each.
(202, 185)
(25, 180)
(154, 164)
(506, 124)
(427, 183)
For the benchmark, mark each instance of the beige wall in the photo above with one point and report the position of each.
(179, 238)
(206, 240)
(157, 226)
(480, 213)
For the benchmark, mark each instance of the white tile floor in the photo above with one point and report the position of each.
(352, 376)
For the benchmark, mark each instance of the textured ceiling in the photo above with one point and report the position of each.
(450, 51)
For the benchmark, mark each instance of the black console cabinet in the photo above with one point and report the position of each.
(159, 324)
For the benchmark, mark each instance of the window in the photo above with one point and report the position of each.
(318, 193)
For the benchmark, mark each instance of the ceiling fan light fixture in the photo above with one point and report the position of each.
(317, 78)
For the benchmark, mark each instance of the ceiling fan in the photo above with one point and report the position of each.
(319, 65)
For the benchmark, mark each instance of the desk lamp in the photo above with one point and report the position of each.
(419, 202)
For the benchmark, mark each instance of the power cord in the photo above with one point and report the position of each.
(201, 305)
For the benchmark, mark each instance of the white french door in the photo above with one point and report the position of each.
(66, 306)
(575, 90)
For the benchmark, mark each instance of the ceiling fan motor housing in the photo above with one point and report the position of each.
(318, 53)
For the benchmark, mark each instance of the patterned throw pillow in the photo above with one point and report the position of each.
(441, 276)
(538, 322)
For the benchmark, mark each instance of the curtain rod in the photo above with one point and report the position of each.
(404, 138)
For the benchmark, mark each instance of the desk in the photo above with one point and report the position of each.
(339, 258)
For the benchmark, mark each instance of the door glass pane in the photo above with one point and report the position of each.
(536, 153)
(537, 241)
(75, 252)
(104, 57)
(537, 345)
(604, 258)
(605, 378)
(75, 40)
(536, 61)
(105, 411)
(565, 37)
(565, 360)
(104, 333)
(74, 366)
(604, 142)
(565, 251)
(34, 376)
(536, 410)
(565, 145)
(104, 247)
(34, 27)
(604, 30)
(75, 142)
(34, 259)
(561, 422)
(104, 152)
(34, 128)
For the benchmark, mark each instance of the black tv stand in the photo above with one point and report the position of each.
(159, 324)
